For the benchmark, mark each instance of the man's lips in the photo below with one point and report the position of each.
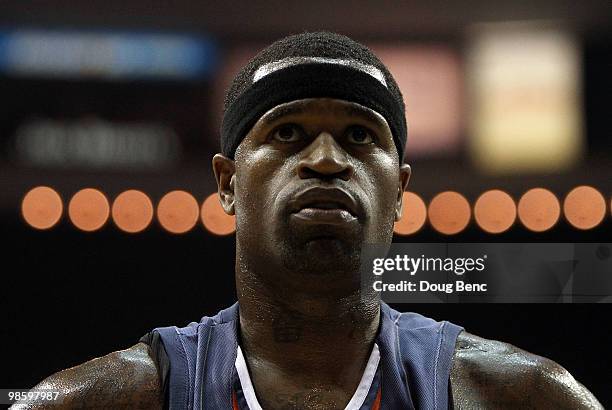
(319, 204)
(335, 216)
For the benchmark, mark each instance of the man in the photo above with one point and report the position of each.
(313, 138)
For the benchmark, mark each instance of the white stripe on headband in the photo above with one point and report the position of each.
(269, 68)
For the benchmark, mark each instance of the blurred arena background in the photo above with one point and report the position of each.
(110, 116)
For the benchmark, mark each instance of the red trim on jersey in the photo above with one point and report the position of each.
(234, 400)
(376, 405)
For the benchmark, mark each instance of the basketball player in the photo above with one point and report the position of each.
(312, 141)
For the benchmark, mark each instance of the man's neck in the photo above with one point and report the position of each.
(309, 343)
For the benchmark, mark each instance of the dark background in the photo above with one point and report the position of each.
(69, 296)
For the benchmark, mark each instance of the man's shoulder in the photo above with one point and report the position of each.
(499, 375)
(122, 379)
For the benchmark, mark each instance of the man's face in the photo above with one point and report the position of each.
(314, 179)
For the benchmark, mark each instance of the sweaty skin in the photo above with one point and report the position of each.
(312, 181)
(486, 374)
(126, 379)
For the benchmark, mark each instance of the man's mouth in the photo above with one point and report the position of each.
(320, 205)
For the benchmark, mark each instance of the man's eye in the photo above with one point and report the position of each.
(287, 133)
(359, 135)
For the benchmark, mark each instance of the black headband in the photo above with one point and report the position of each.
(310, 80)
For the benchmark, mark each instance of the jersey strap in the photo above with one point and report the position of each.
(416, 354)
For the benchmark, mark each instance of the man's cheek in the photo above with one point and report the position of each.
(381, 203)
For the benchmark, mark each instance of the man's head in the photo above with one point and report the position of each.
(312, 140)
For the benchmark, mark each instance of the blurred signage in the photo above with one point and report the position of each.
(525, 103)
(95, 143)
(107, 55)
(429, 77)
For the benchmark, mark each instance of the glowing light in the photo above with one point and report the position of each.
(495, 211)
(539, 209)
(584, 207)
(132, 211)
(42, 207)
(524, 82)
(414, 215)
(214, 217)
(449, 212)
(88, 209)
(178, 212)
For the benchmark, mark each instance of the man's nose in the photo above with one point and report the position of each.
(325, 159)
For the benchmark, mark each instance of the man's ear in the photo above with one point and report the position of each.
(404, 177)
(225, 174)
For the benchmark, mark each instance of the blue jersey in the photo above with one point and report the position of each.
(409, 367)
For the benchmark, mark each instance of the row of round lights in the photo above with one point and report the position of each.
(495, 211)
(449, 212)
(132, 211)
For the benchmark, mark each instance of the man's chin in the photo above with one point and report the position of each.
(326, 255)
(328, 248)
